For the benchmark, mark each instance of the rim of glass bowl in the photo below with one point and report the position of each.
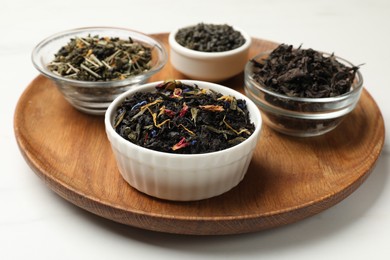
(208, 55)
(357, 85)
(68, 34)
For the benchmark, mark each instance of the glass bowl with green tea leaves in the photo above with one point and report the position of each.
(91, 66)
(210, 52)
(302, 92)
(183, 140)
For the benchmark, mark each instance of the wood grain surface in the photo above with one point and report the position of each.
(288, 179)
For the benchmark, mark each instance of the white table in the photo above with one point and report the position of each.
(35, 223)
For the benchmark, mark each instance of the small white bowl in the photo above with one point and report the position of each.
(209, 66)
(182, 177)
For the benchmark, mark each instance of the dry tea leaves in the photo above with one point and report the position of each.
(303, 73)
(210, 37)
(184, 119)
(95, 58)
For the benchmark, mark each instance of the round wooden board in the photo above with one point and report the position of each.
(288, 179)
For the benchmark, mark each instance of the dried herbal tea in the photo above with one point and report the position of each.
(95, 58)
(184, 119)
(210, 37)
(304, 73)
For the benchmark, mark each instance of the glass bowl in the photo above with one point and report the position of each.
(209, 66)
(297, 116)
(182, 177)
(93, 97)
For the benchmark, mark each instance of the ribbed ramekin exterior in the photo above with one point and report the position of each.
(183, 177)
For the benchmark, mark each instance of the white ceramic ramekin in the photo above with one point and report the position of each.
(182, 177)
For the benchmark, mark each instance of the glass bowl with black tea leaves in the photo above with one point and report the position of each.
(183, 140)
(302, 92)
(210, 52)
(91, 66)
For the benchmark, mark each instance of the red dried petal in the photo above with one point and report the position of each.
(169, 112)
(184, 110)
(181, 144)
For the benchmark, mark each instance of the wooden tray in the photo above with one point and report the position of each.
(289, 178)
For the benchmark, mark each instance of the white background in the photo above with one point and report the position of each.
(35, 223)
